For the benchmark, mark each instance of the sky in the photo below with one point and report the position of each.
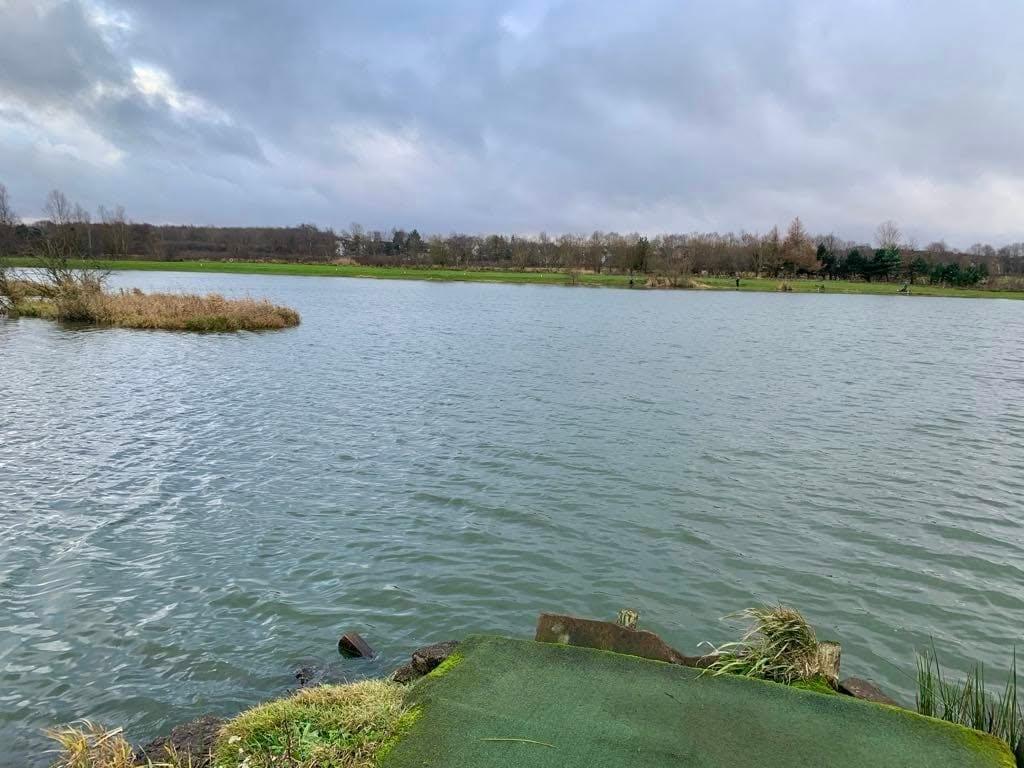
(522, 116)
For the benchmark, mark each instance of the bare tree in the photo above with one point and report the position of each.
(117, 229)
(888, 235)
(58, 208)
(7, 215)
(60, 244)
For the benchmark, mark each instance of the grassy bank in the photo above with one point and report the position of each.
(538, 278)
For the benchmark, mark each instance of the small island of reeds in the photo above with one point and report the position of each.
(55, 291)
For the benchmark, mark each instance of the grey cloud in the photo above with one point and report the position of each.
(545, 114)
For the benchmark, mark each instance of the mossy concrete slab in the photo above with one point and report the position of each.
(502, 703)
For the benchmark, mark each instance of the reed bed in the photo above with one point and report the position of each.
(167, 311)
(968, 701)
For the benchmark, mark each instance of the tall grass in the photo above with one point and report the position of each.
(135, 309)
(779, 645)
(88, 745)
(189, 312)
(968, 702)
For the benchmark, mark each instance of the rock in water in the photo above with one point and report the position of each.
(353, 646)
(424, 660)
(429, 657)
(865, 689)
(192, 741)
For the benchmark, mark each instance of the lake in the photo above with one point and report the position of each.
(188, 518)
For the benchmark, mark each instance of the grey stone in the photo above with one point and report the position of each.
(429, 657)
(423, 661)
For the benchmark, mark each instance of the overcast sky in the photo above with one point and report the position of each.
(522, 115)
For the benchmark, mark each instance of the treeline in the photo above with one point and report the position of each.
(794, 253)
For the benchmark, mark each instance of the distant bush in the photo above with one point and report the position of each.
(954, 274)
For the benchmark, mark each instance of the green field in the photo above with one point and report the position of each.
(538, 278)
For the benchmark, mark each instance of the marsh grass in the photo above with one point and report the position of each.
(341, 726)
(189, 312)
(135, 309)
(779, 645)
(967, 701)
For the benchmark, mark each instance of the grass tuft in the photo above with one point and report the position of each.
(340, 726)
(779, 645)
(967, 702)
(88, 745)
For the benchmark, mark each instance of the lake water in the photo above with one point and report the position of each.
(186, 519)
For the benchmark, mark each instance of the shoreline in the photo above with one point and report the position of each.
(419, 715)
(604, 280)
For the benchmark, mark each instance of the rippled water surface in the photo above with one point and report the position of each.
(187, 518)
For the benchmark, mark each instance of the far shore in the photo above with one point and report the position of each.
(605, 280)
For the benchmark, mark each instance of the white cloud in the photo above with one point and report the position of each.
(158, 86)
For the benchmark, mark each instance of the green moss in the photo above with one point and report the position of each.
(817, 684)
(405, 722)
(447, 665)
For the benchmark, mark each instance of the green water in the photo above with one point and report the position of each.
(186, 519)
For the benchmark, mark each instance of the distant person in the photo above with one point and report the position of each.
(737, 281)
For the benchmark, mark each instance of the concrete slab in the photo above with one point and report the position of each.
(501, 703)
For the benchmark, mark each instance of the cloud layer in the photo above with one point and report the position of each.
(522, 115)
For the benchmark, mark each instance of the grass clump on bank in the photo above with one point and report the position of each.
(967, 702)
(335, 726)
(88, 745)
(332, 726)
(780, 645)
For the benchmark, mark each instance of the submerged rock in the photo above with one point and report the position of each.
(192, 741)
(424, 660)
(309, 676)
(865, 689)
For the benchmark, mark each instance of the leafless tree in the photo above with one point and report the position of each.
(117, 228)
(888, 235)
(7, 215)
(60, 244)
